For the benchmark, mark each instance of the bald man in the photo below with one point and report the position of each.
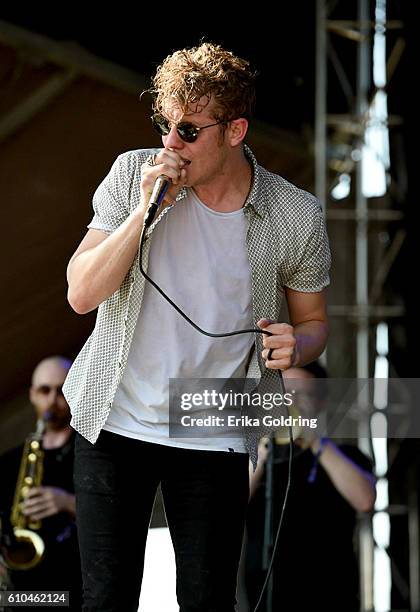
(54, 502)
(50, 405)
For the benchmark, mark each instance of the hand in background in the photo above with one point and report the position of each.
(42, 502)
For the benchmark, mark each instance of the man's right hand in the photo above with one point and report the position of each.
(167, 163)
(101, 261)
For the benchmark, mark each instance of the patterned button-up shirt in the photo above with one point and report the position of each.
(287, 246)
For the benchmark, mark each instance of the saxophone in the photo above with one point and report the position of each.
(25, 548)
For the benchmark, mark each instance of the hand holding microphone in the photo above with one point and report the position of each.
(162, 177)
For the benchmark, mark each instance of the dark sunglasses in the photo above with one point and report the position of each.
(188, 132)
(46, 389)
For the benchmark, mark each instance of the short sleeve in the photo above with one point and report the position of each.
(111, 198)
(311, 272)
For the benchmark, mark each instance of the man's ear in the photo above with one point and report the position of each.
(237, 130)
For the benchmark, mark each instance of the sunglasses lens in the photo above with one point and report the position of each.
(160, 124)
(187, 132)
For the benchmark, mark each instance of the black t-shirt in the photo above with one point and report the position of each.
(315, 567)
(60, 567)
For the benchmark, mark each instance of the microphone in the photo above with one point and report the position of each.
(160, 188)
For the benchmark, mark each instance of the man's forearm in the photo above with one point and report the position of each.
(311, 339)
(98, 272)
(356, 485)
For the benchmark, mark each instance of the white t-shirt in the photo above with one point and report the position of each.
(199, 258)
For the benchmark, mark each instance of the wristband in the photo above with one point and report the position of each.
(314, 469)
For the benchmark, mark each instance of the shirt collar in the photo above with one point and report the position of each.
(254, 201)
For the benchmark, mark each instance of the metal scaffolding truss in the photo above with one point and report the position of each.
(345, 60)
(349, 129)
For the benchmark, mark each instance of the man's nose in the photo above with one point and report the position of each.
(173, 140)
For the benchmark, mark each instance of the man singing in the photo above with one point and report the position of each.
(230, 241)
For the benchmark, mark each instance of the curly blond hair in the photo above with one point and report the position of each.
(208, 71)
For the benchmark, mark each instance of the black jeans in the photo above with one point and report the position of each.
(205, 495)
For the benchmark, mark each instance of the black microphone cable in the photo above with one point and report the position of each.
(161, 186)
